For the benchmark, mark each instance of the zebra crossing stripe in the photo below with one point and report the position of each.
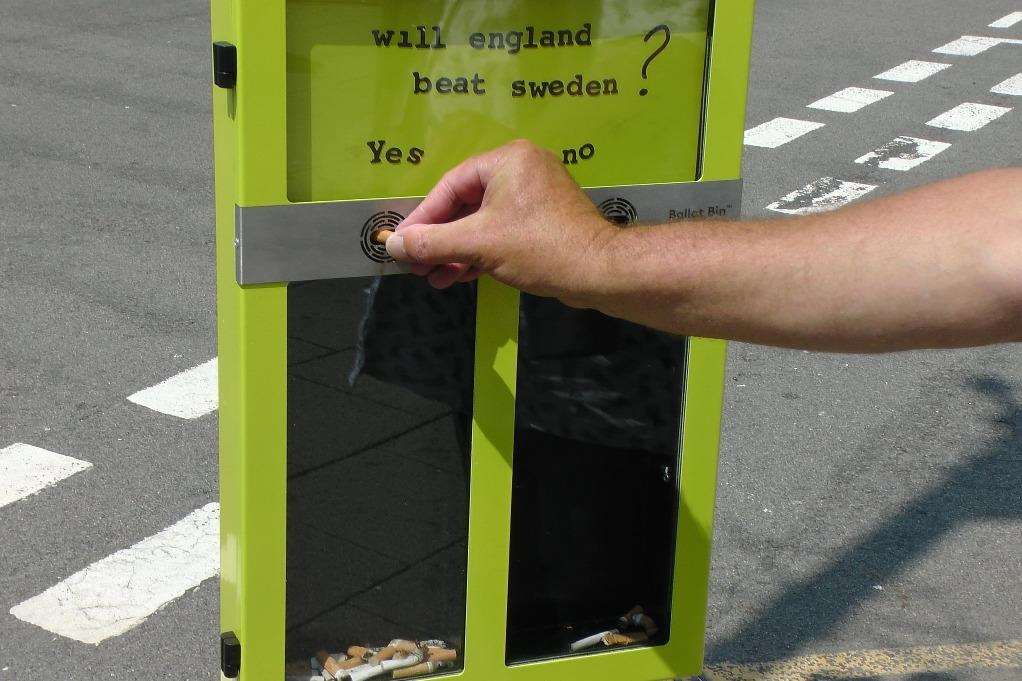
(187, 395)
(119, 592)
(971, 45)
(1007, 21)
(26, 470)
(912, 71)
(778, 131)
(850, 99)
(1012, 86)
(902, 153)
(968, 117)
(823, 195)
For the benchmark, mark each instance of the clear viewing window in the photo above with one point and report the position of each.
(595, 499)
(379, 411)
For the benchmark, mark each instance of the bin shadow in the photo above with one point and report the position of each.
(983, 486)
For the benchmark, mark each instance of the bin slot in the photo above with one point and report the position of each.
(379, 412)
(595, 483)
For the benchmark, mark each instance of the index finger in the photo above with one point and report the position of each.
(463, 185)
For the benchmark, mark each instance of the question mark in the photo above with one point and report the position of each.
(649, 60)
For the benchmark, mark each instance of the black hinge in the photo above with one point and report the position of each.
(230, 655)
(225, 65)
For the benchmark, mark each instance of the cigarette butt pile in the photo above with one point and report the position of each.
(399, 659)
(634, 627)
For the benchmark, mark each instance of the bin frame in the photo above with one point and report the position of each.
(250, 167)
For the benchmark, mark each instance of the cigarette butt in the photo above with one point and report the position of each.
(590, 641)
(330, 664)
(423, 668)
(648, 625)
(406, 646)
(396, 646)
(366, 672)
(350, 663)
(628, 639)
(631, 619)
(380, 236)
(409, 660)
(350, 673)
(360, 652)
(441, 654)
(332, 667)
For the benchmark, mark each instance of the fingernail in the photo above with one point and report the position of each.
(396, 247)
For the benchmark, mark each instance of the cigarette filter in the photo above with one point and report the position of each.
(380, 236)
(636, 618)
(441, 654)
(396, 646)
(630, 616)
(360, 652)
(350, 663)
(625, 639)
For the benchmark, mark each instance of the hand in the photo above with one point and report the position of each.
(514, 213)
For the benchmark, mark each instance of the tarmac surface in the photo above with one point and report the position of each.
(864, 503)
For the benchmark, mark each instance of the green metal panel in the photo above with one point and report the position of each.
(251, 166)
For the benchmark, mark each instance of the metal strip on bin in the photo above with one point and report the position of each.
(330, 240)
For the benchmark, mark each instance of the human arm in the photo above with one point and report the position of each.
(938, 266)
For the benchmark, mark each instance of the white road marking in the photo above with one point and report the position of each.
(968, 117)
(912, 71)
(1012, 86)
(118, 592)
(971, 45)
(1007, 21)
(187, 395)
(773, 134)
(26, 470)
(850, 99)
(903, 153)
(821, 196)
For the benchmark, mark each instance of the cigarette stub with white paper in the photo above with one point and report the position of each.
(634, 627)
(399, 659)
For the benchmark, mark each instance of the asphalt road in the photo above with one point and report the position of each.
(865, 502)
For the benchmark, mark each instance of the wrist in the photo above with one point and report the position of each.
(599, 274)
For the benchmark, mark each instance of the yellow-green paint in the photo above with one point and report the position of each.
(253, 168)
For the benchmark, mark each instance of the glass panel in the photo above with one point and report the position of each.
(595, 500)
(383, 96)
(379, 412)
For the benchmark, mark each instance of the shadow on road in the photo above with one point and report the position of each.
(985, 485)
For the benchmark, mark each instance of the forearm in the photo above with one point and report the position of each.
(919, 269)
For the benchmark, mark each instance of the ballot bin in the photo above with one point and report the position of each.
(473, 481)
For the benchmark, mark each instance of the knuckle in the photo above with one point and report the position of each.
(522, 149)
(417, 245)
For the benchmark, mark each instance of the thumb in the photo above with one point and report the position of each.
(434, 244)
